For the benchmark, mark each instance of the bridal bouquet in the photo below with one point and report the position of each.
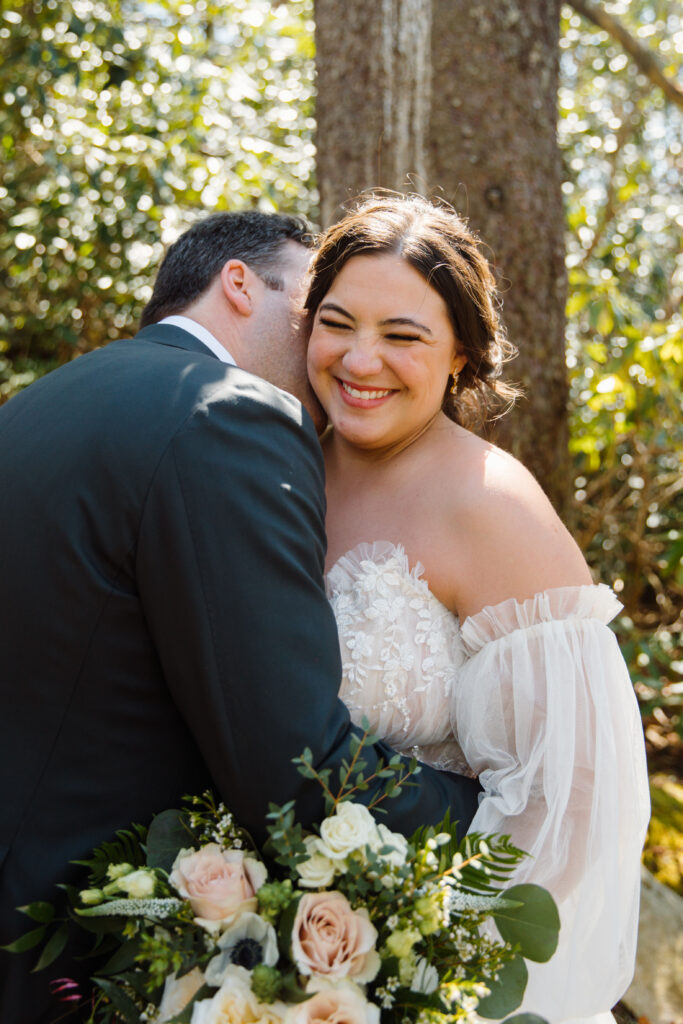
(350, 924)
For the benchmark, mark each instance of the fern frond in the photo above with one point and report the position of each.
(127, 848)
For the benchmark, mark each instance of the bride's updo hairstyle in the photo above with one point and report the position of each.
(436, 241)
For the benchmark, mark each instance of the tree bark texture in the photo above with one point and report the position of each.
(457, 98)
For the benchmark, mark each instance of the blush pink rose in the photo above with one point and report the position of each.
(331, 940)
(342, 1005)
(219, 884)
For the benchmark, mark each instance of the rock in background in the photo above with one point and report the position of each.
(656, 994)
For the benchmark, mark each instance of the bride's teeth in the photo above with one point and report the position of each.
(364, 394)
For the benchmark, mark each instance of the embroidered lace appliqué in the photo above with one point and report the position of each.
(401, 650)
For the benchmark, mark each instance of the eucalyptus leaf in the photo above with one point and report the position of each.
(534, 925)
(167, 834)
(507, 993)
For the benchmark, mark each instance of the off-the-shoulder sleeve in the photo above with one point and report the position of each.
(545, 713)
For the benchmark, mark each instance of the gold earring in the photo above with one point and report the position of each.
(454, 385)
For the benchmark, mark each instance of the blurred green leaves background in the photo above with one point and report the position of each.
(119, 122)
(622, 146)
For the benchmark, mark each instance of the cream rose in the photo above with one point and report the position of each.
(139, 885)
(332, 940)
(235, 1003)
(339, 1004)
(318, 871)
(352, 827)
(384, 838)
(218, 883)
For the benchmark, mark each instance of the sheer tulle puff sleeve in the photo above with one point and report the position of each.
(545, 713)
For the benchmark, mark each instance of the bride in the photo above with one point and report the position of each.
(471, 632)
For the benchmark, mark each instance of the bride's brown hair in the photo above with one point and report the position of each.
(437, 242)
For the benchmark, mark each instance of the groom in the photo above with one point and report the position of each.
(163, 621)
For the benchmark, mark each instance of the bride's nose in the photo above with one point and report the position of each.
(362, 357)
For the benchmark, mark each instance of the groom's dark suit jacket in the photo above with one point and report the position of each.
(163, 622)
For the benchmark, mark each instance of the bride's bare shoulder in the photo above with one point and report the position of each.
(506, 538)
(480, 471)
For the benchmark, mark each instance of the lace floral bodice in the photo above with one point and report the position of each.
(401, 651)
(534, 698)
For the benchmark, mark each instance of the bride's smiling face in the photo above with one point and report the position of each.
(381, 351)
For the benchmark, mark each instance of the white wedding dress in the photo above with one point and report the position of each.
(534, 698)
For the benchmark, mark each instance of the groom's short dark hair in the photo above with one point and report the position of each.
(194, 259)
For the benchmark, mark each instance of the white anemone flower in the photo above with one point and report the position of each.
(248, 941)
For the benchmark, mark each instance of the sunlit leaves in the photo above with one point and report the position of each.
(120, 122)
(622, 150)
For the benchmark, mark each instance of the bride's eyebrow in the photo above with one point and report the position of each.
(333, 307)
(403, 321)
(407, 322)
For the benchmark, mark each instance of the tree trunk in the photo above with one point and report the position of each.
(458, 98)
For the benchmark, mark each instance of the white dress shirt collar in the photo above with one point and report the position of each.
(201, 333)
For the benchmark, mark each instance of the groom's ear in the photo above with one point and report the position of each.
(237, 285)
